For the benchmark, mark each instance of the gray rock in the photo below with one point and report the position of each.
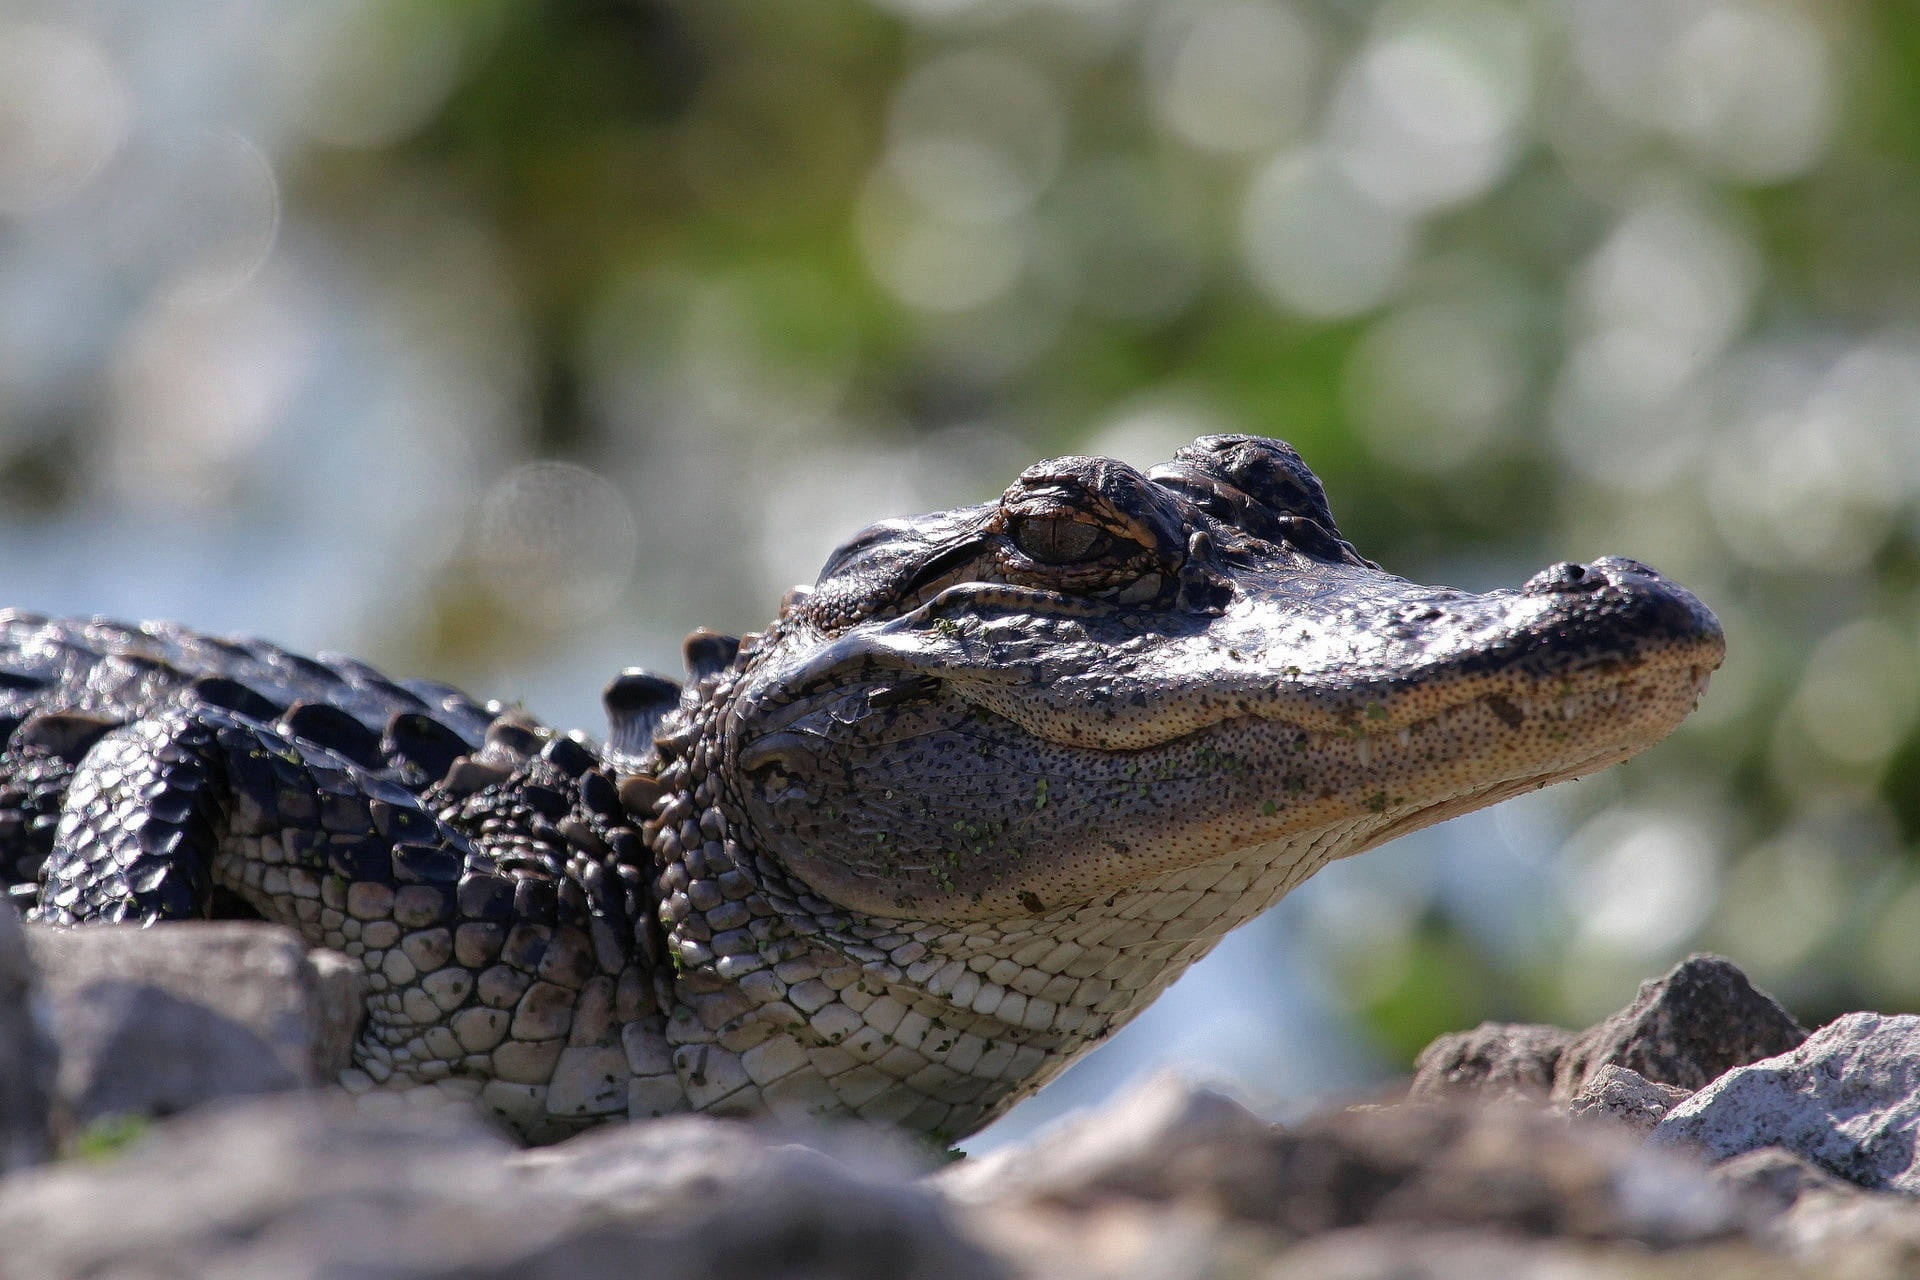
(1625, 1097)
(1849, 1232)
(674, 1167)
(1686, 1029)
(725, 1202)
(722, 1199)
(1848, 1100)
(1779, 1176)
(340, 1002)
(153, 1021)
(26, 1053)
(1494, 1060)
(1401, 1253)
(313, 1186)
(303, 1186)
(1114, 1147)
(1512, 1169)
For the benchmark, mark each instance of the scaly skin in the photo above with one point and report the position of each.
(964, 808)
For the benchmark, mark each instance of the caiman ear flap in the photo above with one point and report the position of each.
(636, 700)
(707, 653)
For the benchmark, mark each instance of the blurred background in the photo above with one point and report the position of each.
(505, 341)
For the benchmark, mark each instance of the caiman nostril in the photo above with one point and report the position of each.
(1565, 576)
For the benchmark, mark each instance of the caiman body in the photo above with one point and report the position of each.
(966, 806)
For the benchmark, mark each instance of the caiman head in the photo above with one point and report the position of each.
(1106, 676)
(1130, 711)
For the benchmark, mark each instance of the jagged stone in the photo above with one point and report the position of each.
(26, 1053)
(1494, 1060)
(1687, 1028)
(1623, 1096)
(1848, 1100)
(154, 1021)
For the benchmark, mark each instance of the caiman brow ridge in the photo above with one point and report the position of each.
(967, 805)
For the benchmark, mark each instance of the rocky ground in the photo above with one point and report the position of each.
(158, 1118)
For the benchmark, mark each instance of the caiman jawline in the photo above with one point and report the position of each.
(1516, 698)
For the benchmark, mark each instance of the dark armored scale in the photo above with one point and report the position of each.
(966, 806)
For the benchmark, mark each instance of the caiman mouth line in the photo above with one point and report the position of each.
(1679, 675)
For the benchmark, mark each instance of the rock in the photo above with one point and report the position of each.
(1683, 1029)
(1173, 1180)
(1686, 1029)
(1401, 1253)
(26, 1054)
(1109, 1147)
(1848, 1100)
(340, 1002)
(1504, 1168)
(295, 1187)
(1517, 1170)
(312, 1186)
(669, 1167)
(153, 1021)
(1625, 1097)
(699, 1196)
(745, 1200)
(1778, 1175)
(1849, 1232)
(1494, 1060)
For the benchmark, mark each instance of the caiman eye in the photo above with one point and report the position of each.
(1059, 539)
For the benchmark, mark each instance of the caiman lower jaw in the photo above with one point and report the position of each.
(1249, 781)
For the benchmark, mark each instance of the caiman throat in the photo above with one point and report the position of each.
(966, 806)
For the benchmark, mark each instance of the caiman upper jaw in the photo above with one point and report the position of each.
(1328, 649)
(1568, 623)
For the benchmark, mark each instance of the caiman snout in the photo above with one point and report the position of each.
(1625, 599)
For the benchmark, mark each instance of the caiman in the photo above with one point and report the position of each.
(967, 805)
